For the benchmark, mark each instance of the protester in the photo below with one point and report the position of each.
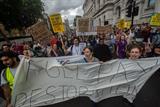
(110, 42)
(148, 49)
(55, 51)
(39, 50)
(2, 100)
(121, 47)
(83, 42)
(26, 52)
(5, 47)
(53, 40)
(11, 60)
(155, 37)
(156, 50)
(66, 41)
(131, 34)
(102, 52)
(134, 52)
(74, 49)
(88, 56)
(146, 33)
(93, 42)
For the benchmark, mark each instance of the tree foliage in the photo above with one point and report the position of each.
(20, 13)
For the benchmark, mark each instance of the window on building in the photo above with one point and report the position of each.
(99, 3)
(104, 18)
(118, 11)
(99, 22)
(151, 3)
(106, 23)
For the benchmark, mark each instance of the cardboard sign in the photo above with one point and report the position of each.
(104, 29)
(39, 31)
(83, 25)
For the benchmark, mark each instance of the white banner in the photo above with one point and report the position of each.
(44, 81)
(86, 33)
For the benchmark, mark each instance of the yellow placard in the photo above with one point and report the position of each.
(127, 24)
(56, 22)
(155, 20)
(122, 24)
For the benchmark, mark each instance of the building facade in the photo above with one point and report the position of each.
(109, 12)
(67, 28)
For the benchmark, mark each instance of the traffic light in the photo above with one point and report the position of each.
(105, 22)
(135, 12)
(129, 10)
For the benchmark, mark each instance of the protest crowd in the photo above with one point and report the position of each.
(141, 41)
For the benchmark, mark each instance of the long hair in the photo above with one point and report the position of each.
(132, 46)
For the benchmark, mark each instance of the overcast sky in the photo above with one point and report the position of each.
(68, 8)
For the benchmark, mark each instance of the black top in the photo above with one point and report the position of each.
(102, 52)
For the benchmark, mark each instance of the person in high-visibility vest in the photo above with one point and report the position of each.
(11, 60)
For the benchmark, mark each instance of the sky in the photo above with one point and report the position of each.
(68, 8)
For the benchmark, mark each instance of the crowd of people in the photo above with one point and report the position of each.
(134, 43)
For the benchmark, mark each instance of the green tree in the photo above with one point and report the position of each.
(20, 13)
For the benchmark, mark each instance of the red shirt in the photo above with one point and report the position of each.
(53, 41)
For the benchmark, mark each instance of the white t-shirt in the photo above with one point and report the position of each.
(3, 79)
(82, 45)
(131, 34)
(75, 50)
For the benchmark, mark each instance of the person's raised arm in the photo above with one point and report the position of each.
(7, 93)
